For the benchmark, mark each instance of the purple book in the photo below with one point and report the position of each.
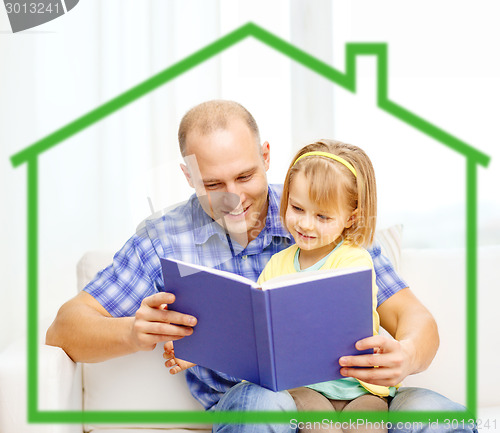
(290, 332)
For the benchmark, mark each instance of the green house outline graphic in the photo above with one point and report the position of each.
(347, 80)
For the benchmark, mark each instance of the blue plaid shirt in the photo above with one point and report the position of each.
(188, 233)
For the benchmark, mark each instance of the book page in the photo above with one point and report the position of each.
(186, 269)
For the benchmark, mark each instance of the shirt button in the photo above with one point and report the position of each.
(244, 257)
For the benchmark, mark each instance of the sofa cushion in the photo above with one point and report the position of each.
(437, 277)
(137, 382)
(390, 240)
(91, 263)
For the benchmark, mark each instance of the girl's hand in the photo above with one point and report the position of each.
(176, 365)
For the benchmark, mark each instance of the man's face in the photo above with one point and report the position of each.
(228, 171)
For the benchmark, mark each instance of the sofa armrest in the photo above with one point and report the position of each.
(60, 380)
(59, 388)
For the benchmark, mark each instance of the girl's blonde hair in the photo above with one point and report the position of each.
(334, 187)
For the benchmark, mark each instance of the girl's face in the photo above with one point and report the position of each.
(315, 230)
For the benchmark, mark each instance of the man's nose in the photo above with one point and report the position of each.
(230, 200)
(234, 190)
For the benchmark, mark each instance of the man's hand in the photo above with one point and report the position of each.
(155, 323)
(176, 365)
(393, 358)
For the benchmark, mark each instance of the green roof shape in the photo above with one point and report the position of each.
(345, 79)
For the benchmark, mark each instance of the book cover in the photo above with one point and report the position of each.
(290, 334)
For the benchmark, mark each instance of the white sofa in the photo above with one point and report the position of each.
(141, 382)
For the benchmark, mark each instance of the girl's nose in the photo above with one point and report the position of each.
(307, 222)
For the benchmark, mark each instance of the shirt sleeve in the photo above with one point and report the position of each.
(133, 275)
(388, 281)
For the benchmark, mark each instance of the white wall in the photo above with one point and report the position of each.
(93, 187)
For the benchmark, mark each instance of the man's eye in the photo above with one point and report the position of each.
(245, 178)
(212, 186)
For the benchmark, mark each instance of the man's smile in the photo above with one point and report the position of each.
(237, 213)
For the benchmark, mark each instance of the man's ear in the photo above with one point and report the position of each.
(266, 154)
(352, 218)
(185, 170)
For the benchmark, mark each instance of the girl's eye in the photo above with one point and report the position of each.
(296, 208)
(323, 217)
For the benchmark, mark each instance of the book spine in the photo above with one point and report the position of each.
(263, 338)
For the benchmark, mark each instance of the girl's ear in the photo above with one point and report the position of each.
(352, 218)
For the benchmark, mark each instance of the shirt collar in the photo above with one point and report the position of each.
(204, 227)
(273, 219)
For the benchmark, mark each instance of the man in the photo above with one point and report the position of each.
(232, 223)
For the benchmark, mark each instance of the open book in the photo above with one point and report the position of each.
(288, 333)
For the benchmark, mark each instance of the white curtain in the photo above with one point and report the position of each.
(97, 186)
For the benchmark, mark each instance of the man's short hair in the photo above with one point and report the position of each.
(209, 116)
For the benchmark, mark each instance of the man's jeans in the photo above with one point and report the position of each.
(249, 397)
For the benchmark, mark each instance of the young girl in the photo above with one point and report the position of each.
(329, 206)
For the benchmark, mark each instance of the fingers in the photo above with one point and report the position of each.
(377, 342)
(168, 347)
(375, 376)
(147, 341)
(154, 322)
(156, 300)
(160, 327)
(371, 360)
(165, 316)
(172, 364)
(155, 309)
(388, 358)
(174, 370)
(176, 365)
(381, 345)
